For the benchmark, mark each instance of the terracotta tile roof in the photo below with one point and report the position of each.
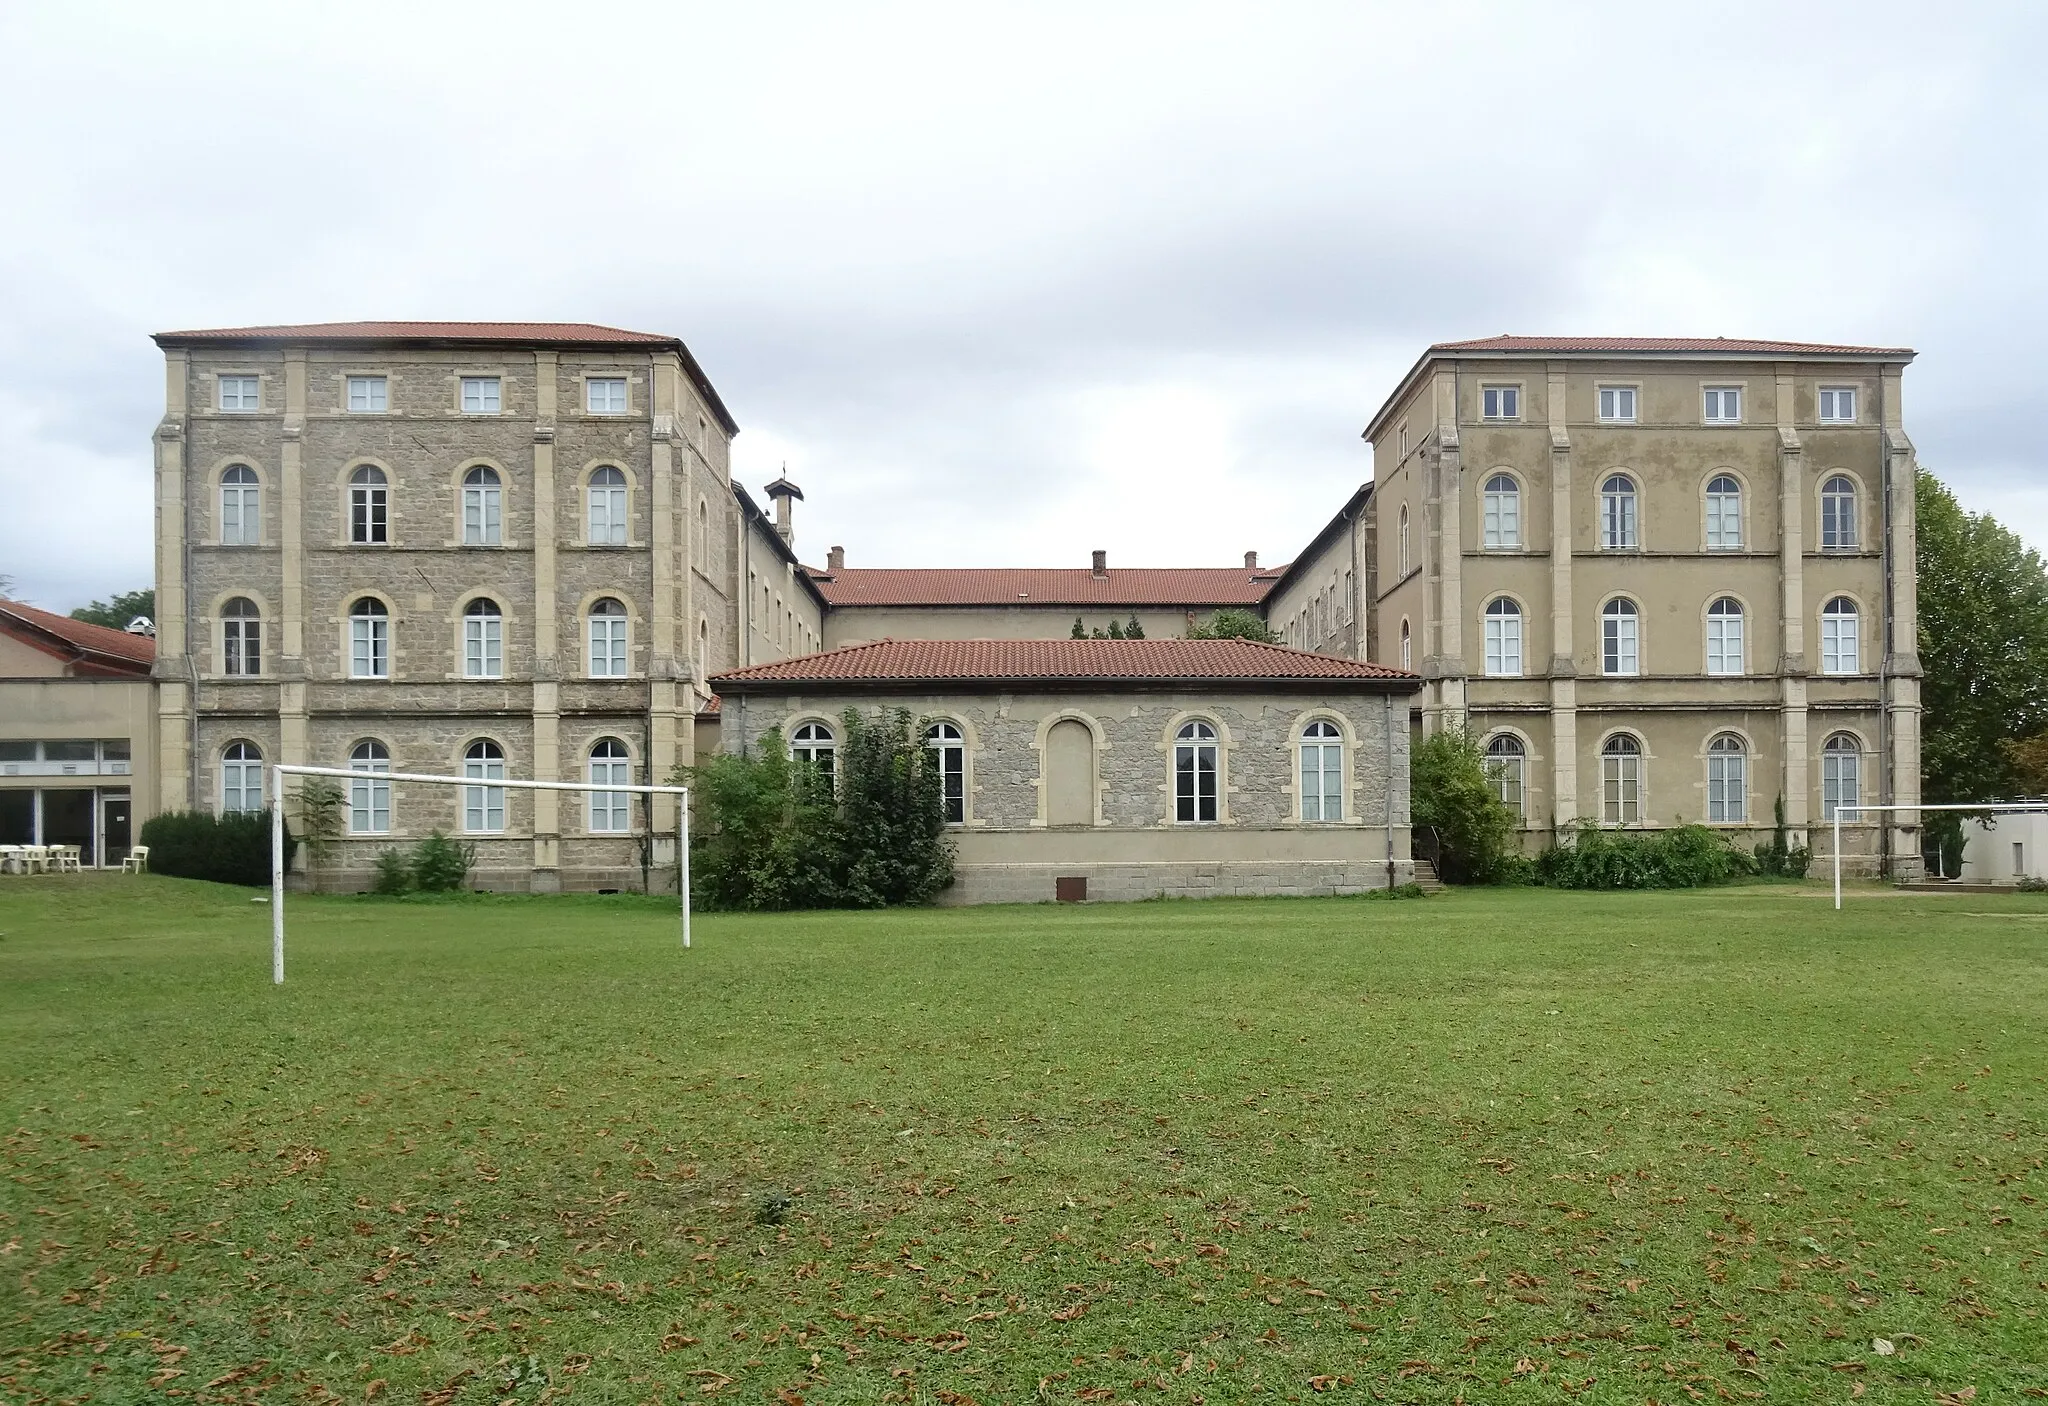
(577, 333)
(95, 647)
(711, 707)
(1192, 587)
(1019, 661)
(1672, 345)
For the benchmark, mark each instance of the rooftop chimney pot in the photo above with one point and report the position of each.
(1101, 564)
(835, 559)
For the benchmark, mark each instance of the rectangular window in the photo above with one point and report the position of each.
(1723, 405)
(242, 644)
(1322, 780)
(484, 647)
(1618, 404)
(369, 800)
(239, 393)
(1621, 784)
(1618, 645)
(611, 811)
(483, 807)
(1840, 781)
(368, 395)
(605, 395)
(1837, 405)
(1503, 645)
(480, 395)
(1500, 402)
(370, 647)
(2019, 859)
(1727, 788)
(1724, 644)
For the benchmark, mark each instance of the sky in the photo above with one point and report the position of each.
(1001, 285)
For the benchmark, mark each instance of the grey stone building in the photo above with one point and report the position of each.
(1122, 769)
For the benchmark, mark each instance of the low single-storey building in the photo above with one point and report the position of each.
(1124, 769)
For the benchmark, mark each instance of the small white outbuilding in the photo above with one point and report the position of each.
(2005, 848)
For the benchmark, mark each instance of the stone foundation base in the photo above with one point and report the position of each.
(1123, 883)
(591, 880)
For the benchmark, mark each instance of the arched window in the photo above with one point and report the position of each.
(1322, 772)
(241, 637)
(1841, 768)
(369, 797)
(369, 637)
(1404, 544)
(369, 506)
(241, 776)
(608, 508)
(1501, 518)
(814, 745)
(1407, 660)
(483, 807)
(1724, 636)
(1618, 513)
(704, 536)
(607, 628)
(949, 750)
(611, 812)
(482, 508)
(1724, 514)
(1621, 780)
(1838, 514)
(241, 507)
(1840, 638)
(703, 653)
(1503, 639)
(483, 640)
(1507, 766)
(1620, 640)
(1727, 780)
(1194, 773)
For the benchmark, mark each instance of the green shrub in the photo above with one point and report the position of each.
(439, 864)
(1461, 826)
(394, 874)
(1233, 623)
(1776, 859)
(228, 849)
(1686, 856)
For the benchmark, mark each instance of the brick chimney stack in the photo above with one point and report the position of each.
(1101, 565)
(1251, 561)
(835, 560)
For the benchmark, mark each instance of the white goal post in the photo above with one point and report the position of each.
(1987, 807)
(280, 770)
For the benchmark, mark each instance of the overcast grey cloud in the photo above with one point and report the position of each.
(1004, 284)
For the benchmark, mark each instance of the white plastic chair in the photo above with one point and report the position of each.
(65, 859)
(35, 859)
(10, 858)
(137, 861)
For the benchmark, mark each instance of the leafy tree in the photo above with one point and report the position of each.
(1134, 631)
(1116, 630)
(1458, 815)
(116, 611)
(1233, 623)
(1983, 651)
(1078, 633)
(321, 823)
(891, 814)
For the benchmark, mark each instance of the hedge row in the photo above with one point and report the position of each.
(228, 849)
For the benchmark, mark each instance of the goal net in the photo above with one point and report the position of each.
(280, 770)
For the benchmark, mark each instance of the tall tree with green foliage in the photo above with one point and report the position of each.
(1459, 819)
(116, 611)
(1983, 649)
(1233, 623)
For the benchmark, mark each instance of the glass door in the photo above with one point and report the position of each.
(116, 838)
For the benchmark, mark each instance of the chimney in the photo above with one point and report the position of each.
(784, 492)
(1251, 561)
(835, 560)
(1100, 567)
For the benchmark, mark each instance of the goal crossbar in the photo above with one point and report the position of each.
(1982, 808)
(280, 770)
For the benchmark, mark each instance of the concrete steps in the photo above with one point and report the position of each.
(1425, 877)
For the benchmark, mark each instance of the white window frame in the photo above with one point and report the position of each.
(1621, 639)
(1621, 780)
(606, 508)
(1402, 560)
(1620, 514)
(1407, 649)
(1320, 766)
(241, 507)
(245, 396)
(483, 395)
(1727, 780)
(1836, 405)
(1620, 409)
(369, 636)
(610, 812)
(949, 746)
(483, 507)
(1725, 639)
(1500, 513)
(1197, 773)
(1502, 631)
(603, 401)
(816, 744)
(1724, 514)
(1839, 515)
(608, 649)
(1841, 637)
(1500, 401)
(1841, 775)
(369, 395)
(1721, 405)
(483, 640)
(483, 807)
(1507, 767)
(369, 800)
(369, 507)
(241, 640)
(241, 777)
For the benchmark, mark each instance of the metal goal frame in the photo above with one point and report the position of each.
(1986, 807)
(280, 770)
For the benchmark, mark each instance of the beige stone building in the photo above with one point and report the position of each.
(77, 734)
(1665, 581)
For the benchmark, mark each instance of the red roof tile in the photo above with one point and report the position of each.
(581, 333)
(111, 650)
(1174, 587)
(1672, 345)
(1018, 661)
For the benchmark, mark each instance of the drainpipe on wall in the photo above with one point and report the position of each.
(1884, 658)
(1387, 777)
(185, 553)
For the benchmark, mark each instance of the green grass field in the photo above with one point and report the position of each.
(1492, 1146)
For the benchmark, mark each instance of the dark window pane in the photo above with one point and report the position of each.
(17, 817)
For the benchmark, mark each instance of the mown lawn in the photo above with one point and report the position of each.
(1497, 1146)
